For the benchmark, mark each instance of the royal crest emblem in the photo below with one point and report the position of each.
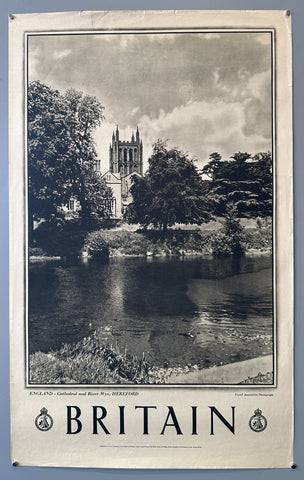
(258, 422)
(44, 421)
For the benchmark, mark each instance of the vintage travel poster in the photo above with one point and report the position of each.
(151, 239)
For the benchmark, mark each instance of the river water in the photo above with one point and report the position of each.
(177, 311)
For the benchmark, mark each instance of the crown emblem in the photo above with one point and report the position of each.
(44, 421)
(258, 422)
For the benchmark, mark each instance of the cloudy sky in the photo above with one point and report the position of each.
(204, 92)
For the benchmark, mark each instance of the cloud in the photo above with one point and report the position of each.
(201, 128)
(204, 92)
(58, 55)
(103, 138)
(263, 38)
(33, 63)
(198, 128)
(152, 71)
(259, 85)
(258, 105)
(133, 111)
(126, 40)
(255, 95)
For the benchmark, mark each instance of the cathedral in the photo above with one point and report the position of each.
(125, 161)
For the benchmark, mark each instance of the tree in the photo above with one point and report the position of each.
(244, 181)
(84, 114)
(62, 154)
(213, 167)
(169, 193)
(49, 162)
(94, 196)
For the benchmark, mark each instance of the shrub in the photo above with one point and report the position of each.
(95, 244)
(221, 245)
(139, 243)
(260, 239)
(230, 239)
(122, 242)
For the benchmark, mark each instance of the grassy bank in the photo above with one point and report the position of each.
(177, 242)
(121, 242)
(91, 362)
(74, 241)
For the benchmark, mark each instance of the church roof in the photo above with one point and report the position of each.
(114, 178)
(131, 174)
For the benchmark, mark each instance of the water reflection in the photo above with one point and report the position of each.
(177, 311)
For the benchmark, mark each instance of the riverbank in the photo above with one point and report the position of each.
(177, 242)
(123, 241)
(90, 362)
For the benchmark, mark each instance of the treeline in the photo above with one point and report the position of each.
(173, 190)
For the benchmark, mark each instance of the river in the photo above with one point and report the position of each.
(175, 311)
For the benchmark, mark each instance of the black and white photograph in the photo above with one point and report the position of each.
(149, 194)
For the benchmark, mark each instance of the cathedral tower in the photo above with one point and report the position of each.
(126, 156)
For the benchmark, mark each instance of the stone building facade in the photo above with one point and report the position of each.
(125, 161)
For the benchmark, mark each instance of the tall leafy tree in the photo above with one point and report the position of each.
(170, 192)
(50, 166)
(84, 114)
(61, 153)
(213, 166)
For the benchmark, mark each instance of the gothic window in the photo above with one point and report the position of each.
(113, 206)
